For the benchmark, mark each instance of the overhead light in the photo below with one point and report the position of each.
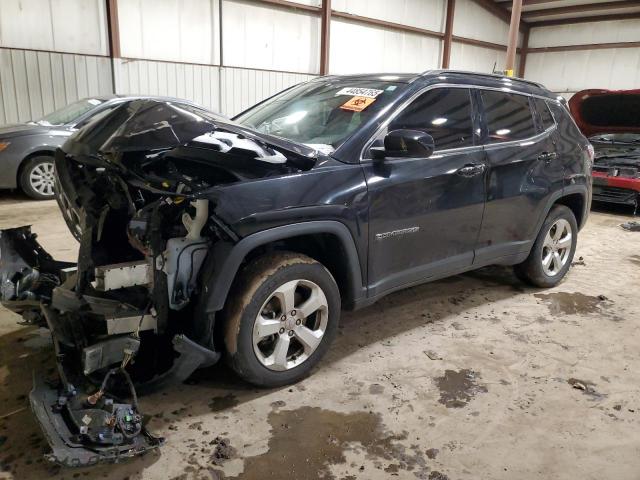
(439, 121)
(503, 131)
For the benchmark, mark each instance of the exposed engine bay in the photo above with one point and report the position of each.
(609, 118)
(135, 189)
(616, 169)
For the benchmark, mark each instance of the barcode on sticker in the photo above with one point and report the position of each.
(360, 92)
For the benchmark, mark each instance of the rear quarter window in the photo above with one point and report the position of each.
(566, 125)
(544, 114)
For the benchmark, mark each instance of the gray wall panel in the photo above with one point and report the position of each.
(242, 87)
(33, 84)
(199, 83)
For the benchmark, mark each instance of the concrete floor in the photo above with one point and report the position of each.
(465, 378)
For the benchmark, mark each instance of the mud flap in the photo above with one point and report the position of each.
(68, 447)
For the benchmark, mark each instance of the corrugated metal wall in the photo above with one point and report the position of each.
(357, 48)
(199, 83)
(72, 26)
(427, 14)
(571, 71)
(242, 87)
(477, 59)
(172, 47)
(36, 83)
(226, 90)
(269, 37)
(472, 21)
(181, 31)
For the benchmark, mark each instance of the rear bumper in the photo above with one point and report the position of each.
(621, 190)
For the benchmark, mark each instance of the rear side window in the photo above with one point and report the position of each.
(508, 116)
(566, 125)
(443, 113)
(544, 114)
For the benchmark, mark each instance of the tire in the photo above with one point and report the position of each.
(37, 178)
(548, 262)
(267, 354)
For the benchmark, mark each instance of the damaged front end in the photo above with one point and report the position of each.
(128, 318)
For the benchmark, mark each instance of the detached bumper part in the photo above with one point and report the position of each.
(87, 437)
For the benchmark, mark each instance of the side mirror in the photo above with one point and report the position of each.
(405, 143)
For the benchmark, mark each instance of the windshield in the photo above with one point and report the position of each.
(617, 138)
(70, 113)
(321, 115)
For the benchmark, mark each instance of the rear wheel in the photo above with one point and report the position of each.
(37, 178)
(553, 250)
(281, 318)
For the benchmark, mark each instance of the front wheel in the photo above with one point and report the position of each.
(281, 317)
(37, 178)
(553, 250)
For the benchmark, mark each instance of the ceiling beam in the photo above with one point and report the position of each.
(591, 46)
(448, 33)
(512, 43)
(593, 7)
(497, 10)
(383, 23)
(480, 43)
(113, 28)
(526, 3)
(594, 18)
(291, 5)
(523, 53)
(325, 21)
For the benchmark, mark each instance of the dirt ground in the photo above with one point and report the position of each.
(473, 377)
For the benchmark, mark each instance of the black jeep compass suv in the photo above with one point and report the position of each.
(201, 236)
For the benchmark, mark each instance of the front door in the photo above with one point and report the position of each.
(425, 213)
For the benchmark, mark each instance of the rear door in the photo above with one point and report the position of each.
(524, 170)
(425, 213)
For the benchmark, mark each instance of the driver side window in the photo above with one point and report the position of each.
(443, 113)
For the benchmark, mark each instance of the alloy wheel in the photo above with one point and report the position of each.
(290, 325)
(42, 178)
(556, 247)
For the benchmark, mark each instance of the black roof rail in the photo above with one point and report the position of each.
(480, 74)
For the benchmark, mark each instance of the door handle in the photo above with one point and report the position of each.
(547, 156)
(471, 170)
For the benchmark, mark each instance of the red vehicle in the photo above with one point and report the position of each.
(611, 121)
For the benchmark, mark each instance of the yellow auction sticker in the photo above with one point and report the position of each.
(357, 104)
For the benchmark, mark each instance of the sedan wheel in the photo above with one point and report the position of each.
(41, 178)
(38, 178)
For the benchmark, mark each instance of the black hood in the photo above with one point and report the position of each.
(149, 125)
